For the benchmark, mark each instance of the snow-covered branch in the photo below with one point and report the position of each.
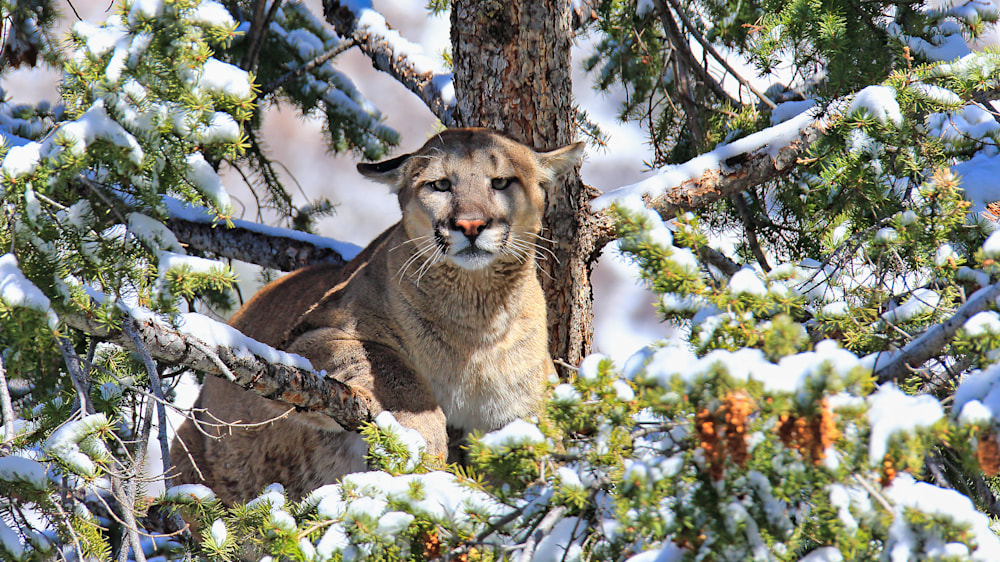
(266, 246)
(217, 349)
(931, 342)
(730, 168)
(390, 52)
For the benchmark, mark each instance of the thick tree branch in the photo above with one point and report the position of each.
(284, 253)
(930, 343)
(728, 169)
(745, 171)
(304, 389)
(267, 246)
(394, 55)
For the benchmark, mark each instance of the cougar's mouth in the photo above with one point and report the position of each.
(474, 252)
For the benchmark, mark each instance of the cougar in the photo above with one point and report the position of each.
(441, 320)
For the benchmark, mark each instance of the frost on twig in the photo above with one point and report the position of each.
(393, 54)
(254, 366)
(930, 343)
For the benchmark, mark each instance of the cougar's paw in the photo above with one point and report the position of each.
(431, 425)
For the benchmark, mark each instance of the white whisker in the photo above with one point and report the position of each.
(429, 263)
(540, 237)
(419, 251)
(411, 240)
(542, 250)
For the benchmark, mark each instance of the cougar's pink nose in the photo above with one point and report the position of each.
(471, 227)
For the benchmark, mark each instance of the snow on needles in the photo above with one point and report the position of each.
(790, 374)
(516, 433)
(16, 290)
(223, 78)
(20, 469)
(203, 177)
(879, 102)
(410, 438)
(75, 137)
(978, 397)
(212, 14)
(72, 444)
(891, 411)
(903, 544)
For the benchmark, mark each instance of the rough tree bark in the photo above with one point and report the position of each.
(512, 73)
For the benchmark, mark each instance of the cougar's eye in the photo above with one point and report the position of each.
(501, 184)
(442, 184)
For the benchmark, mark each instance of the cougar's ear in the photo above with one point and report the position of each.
(389, 172)
(555, 163)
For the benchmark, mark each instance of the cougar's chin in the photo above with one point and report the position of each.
(472, 258)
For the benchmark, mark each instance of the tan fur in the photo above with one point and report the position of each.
(441, 319)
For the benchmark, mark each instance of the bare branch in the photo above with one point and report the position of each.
(259, 27)
(661, 6)
(683, 51)
(382, 48)
(76, 374)
(6, 408)
(927, 345)
(161, 411)
(304, 389)
(750, 229)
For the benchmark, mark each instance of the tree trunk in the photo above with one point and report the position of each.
(512, 73)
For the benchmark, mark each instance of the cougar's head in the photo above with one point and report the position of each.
(473, 196)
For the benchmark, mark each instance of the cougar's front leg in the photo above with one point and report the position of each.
(378, 370)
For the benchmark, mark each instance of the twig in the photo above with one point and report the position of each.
(928, 344)
(130, 523)
(873, 492)
(161, 414)
(6, 407)
(717, 259)
(386, 58)
(307, 67)
(711, 50)
(258, 31)
(750, 229)
(543, 529)
(75, 374)
(64, 519)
